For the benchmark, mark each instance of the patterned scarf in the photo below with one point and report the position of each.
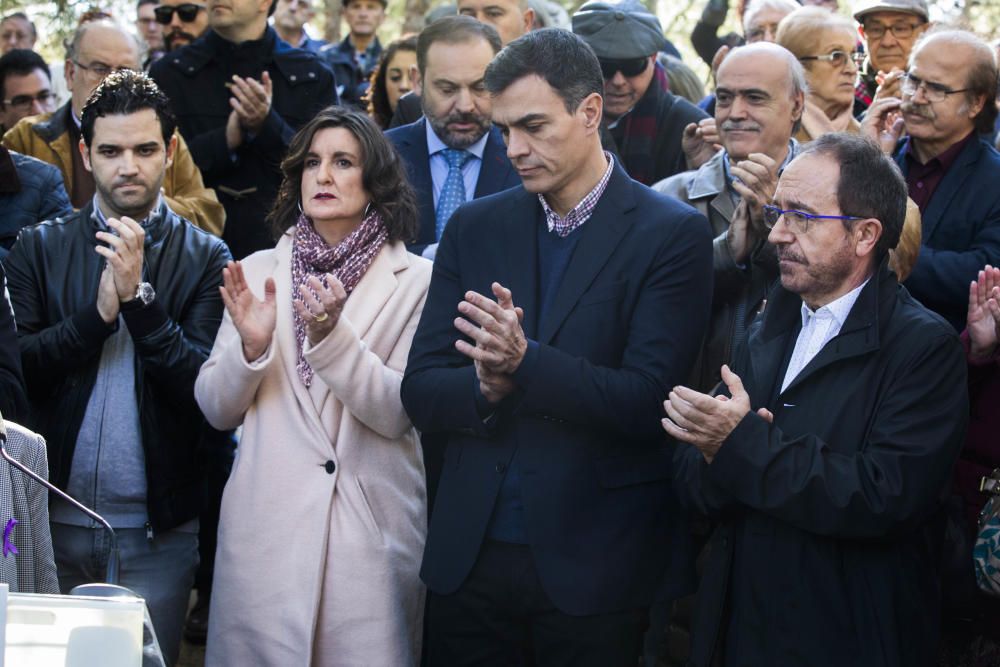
(348, 261)
(635, 133)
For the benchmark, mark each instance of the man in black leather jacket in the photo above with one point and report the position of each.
(117, 307)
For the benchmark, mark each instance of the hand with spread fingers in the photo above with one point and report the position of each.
(700, 142)
(124, 253)
(706, 421)
(251, 100)
(496, 329)
(883, 123)
(254, 319)
(320, 306)
(983, 320)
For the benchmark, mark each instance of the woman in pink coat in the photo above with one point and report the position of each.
(324, 516)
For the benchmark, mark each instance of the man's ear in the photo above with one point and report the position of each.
(592, 110)
(171, 149)
(529, 20)
(867, 232)
(417, 80)
(85, 154)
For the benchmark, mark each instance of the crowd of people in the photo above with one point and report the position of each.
(502, 343)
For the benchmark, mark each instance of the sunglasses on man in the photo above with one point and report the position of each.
(187, 12)
(630, 67)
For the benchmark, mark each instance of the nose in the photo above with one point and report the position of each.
(769, 34)
(128, 164)
(618, 79)
(175, 20)
(37, 107)
(780, 233)
(516, 146)
(324, 174)
(738, 108)
(889, 39)
(464, 101)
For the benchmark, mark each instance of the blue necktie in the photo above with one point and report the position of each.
(453, 191)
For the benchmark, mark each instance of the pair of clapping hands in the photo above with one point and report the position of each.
(251, 103)
(123, 269)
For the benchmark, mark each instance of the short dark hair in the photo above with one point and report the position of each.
(122, 93)
(146, 2)
(454, 30)
(870, 186)
(20, 62)
(561, 58)
(23, 17)
(382, 174)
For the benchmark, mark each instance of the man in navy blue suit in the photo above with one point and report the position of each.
(952, 171)
(452, 154)
(582, 297)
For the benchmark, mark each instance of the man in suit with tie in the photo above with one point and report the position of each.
(582, 297)
(951, 170)
(452, 154)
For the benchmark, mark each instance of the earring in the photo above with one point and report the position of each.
(299, 204)
(367, 210)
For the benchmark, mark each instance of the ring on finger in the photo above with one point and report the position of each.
(323, 317)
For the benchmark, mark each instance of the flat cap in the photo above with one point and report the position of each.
(915, 7)
(619, 30)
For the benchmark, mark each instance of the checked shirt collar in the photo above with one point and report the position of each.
(564, 226)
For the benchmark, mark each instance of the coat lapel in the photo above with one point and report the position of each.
(496, 168)
(413, 148)
(379, 282)
(285, 334)
(521, 234)
(601, 235)
(952, 183)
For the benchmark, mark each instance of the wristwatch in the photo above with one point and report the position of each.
(144, 295)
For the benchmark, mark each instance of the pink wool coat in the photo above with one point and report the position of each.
(324, 516)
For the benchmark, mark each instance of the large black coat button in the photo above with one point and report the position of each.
(330, 467)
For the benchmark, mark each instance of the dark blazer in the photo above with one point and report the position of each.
(246, 180)
(960, 229)
(409, 109)
(495, 174)
(622, 329)
(825, 549)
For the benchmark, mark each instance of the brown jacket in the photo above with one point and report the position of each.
(47, 138)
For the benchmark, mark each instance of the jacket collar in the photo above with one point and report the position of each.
(50, 128)
(155, 224)
(859, 335)
(710, 179)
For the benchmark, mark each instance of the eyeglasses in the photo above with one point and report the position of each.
(934, 92)
(876, 31)
(836, 58)
(24, 102)
(800, 220)
(630, 67)
(98, 69)
(187, 12)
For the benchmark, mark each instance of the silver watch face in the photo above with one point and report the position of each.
(145, 293)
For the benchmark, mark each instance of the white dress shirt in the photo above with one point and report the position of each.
(818, 328)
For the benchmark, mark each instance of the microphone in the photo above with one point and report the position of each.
(111, 575)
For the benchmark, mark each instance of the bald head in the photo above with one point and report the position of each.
(759, 97)
(97, 48)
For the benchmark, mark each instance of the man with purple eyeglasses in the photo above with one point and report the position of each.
(825, 457)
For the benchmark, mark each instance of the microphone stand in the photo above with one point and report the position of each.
(111, 575)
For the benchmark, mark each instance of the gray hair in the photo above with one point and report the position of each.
(758, 6)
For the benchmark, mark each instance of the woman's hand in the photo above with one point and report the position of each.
(983, 321)
(253, 319)
(320, 314)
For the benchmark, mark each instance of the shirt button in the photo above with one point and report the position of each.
(501, 467)
(330, 467)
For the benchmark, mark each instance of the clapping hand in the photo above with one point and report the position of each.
(755, 179)
(500, 344)
(320, 306)
(883, 123)
(124, 253)
(254, 319)
(251, 100)
(700, 142)
(983, 321)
